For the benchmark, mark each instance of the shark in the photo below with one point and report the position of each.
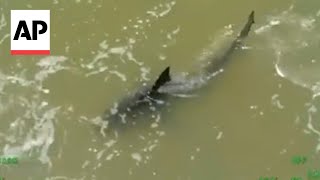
(151, 97)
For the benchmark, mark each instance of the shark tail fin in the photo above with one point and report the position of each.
(245, 31)
(162, 79)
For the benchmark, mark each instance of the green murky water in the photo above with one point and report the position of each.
(247, 123)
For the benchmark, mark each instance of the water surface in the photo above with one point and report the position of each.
(247, 123)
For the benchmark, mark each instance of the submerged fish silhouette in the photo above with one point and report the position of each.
(151, 97)
(147, 97)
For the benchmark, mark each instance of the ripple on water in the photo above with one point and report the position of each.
(293, 38)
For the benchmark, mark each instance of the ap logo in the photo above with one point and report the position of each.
(30, 32)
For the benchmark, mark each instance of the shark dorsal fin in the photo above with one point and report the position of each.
(162, 79)
(245, 31)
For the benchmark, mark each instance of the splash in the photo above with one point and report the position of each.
(293, 38)
(30, 132)
(111, 55)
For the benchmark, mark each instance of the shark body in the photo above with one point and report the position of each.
(149, 98)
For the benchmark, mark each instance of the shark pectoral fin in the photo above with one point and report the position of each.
(162, 79)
